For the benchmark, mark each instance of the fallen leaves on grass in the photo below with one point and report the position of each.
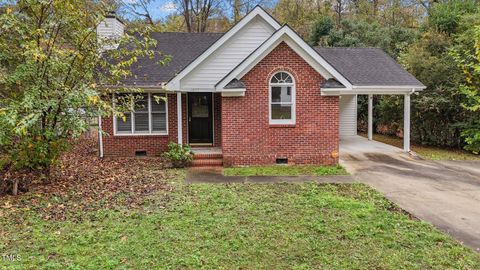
(84, 182)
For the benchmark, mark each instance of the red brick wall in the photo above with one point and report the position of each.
(153, 144)
(247, 137)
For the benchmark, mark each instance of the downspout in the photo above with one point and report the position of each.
(100, 135)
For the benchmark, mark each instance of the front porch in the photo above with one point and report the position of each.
(200, 114)
(207, 157)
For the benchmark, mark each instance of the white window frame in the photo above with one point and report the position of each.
(291, 121)
(132, 117)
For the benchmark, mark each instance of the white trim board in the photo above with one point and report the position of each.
(292, 39)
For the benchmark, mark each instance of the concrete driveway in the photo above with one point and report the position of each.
(444, 193)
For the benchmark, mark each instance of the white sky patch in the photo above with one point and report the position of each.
(168, 7)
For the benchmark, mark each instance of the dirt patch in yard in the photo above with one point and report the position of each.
(84, 182)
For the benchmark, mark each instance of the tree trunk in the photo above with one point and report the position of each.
(236, 10)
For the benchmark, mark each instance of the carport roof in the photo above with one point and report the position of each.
(368, 67)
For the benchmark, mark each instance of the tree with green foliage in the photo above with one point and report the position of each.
(358, 33)
(444, 16)
(438, 118)
(321, 29)
(469, 61)
(51, 76)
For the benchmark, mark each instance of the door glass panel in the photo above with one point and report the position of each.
(200, 107)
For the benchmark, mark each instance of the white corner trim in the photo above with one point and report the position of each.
(174, 84)
(179, 119)
(292, 39)
(100, 135)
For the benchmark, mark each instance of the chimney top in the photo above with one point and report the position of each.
(113, 15)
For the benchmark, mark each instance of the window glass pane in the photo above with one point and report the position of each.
(158, 106)
(124, 127)
(200, 107)
(141, 122)
(159, 122)
(288, 79)
(281, 111)
(274, 79)
(141, 103)
(281, 77)
(281, 94)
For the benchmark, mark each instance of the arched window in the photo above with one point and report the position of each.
(282, 98)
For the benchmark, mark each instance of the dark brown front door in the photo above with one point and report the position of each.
(200, 119)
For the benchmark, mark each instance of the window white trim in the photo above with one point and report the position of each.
(132, 117)
(291, 121)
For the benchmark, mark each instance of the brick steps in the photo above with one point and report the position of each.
(207, 160)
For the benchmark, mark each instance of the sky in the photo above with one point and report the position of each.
(160, 9)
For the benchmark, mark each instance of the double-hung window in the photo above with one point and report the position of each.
(149, 116)
(282, 99)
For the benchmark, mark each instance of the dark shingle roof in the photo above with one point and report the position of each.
(183, 47)
(331, 83)
(235, 84)
(367, 67)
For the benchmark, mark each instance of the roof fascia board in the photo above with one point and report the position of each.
(297, 44)
(174, 83)
(416, 87)
(338, 92)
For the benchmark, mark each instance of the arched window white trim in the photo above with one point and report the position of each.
(281, 98)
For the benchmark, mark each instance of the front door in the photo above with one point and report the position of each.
(200, 119)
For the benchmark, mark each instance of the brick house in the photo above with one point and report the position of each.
(257, 94)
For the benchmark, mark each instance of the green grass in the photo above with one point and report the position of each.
(234, 226)
(283, 170)
(428, 152)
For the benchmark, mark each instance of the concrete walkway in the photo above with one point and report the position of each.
(446, 193)
(215, 176)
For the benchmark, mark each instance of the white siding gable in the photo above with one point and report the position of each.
(348, 115)
(228, 56)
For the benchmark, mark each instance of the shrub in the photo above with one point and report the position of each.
(179, 154)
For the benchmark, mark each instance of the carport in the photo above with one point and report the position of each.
(357, 146)
(369, 71)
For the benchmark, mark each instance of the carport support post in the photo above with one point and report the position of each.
(179, 118)
(406, 123)
(370, 117)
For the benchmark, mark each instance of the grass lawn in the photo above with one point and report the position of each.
(234, 226)
(283, 170)
(428, 152)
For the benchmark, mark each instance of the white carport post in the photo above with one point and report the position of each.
(179, 118)
(370, 117)
(406, 123)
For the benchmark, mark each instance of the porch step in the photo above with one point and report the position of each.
(207, 158)
(217, 162)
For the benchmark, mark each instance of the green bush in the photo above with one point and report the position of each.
(179, 154)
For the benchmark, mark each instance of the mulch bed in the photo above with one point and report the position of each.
(84, 182)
